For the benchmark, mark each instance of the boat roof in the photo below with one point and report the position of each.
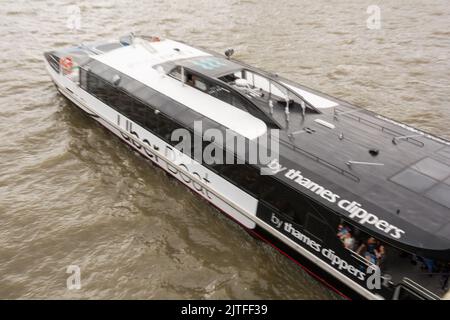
(138, 60)
(398, 175)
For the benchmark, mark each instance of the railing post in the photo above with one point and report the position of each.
(270, 89)
(182, 75)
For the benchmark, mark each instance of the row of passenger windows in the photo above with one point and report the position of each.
(132, 108)
(269, 190)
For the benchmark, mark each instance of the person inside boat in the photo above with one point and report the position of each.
(345, 235)
(349, 241)
(373, 251)
(343, 230)
(430, 266)
(368, 250)
(381, 254)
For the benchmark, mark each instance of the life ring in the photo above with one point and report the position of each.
(66, 64)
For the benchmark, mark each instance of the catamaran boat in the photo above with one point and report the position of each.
(358, 200)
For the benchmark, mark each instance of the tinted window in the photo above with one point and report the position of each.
(243, 175)
(287, 201)
(83, 79)
(156, 100)
(316, 226)
(188, 116)
(98, 88)
(137, 111)
(151, 120)
(144, 93)
(240, 103)
(132, 86)
(220, 93)
(123, 104)
(165, 128)
(114, 97)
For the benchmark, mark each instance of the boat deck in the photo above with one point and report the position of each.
(399, 266)
(410, 185)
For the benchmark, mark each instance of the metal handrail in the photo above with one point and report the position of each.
(52, 57)
(271, 79)
(361, 259)
(420, 289)
(381, 127)
(387, 278)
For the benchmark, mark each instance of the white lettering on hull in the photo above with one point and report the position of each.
(327, 253)
(353, 208)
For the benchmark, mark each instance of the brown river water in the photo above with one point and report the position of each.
(72, 194)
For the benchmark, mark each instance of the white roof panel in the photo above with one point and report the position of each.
(137, 61)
